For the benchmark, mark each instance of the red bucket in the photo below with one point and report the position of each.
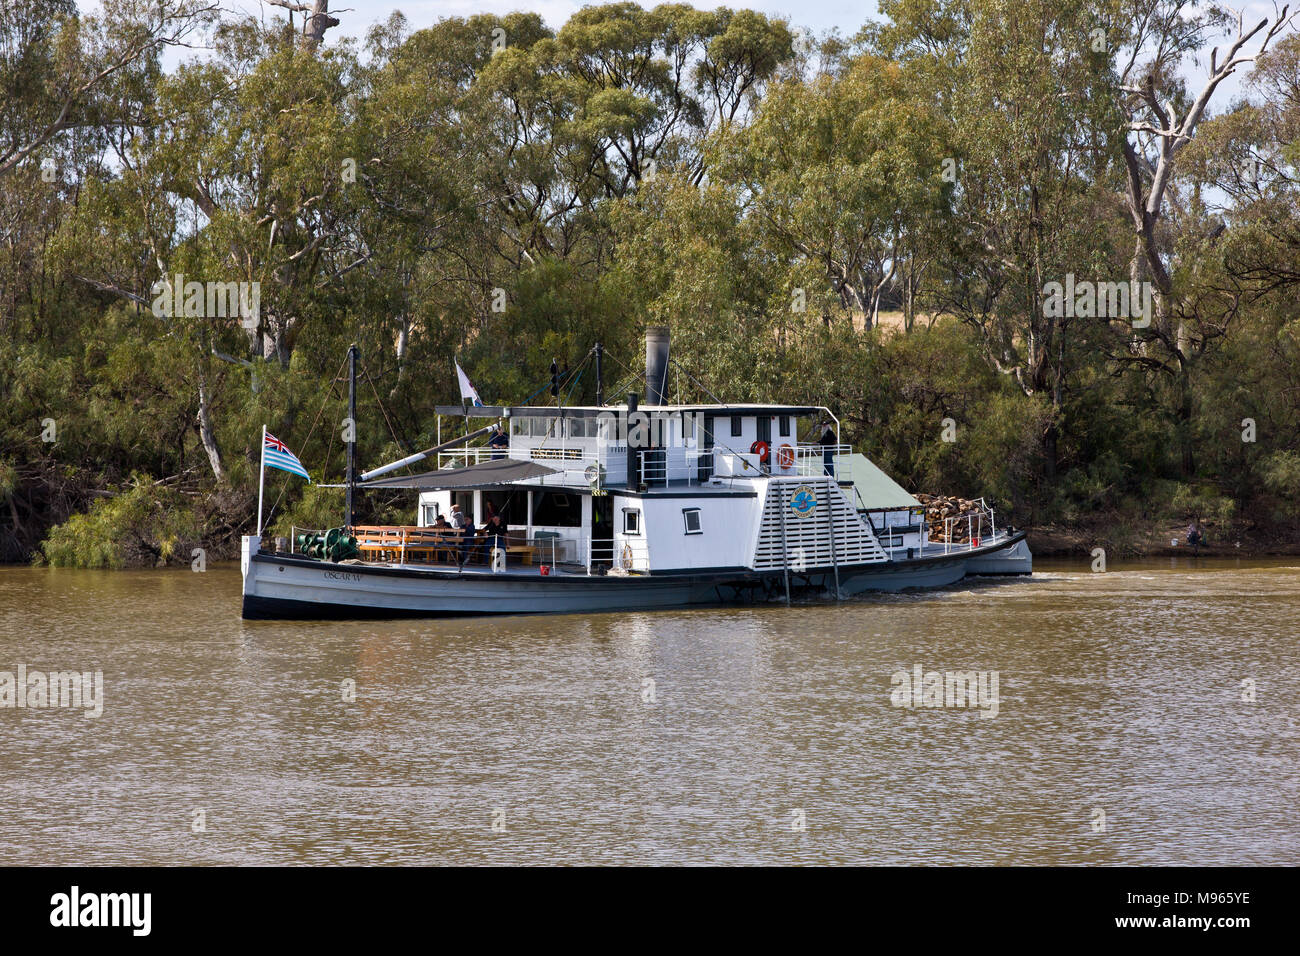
(545, 569)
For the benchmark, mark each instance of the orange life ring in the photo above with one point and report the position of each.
(785, 457)
(761, 449)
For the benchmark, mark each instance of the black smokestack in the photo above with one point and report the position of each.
(656, 364)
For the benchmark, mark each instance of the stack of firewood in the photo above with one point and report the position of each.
(939, 508)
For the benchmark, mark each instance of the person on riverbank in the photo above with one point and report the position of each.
(1194, 536)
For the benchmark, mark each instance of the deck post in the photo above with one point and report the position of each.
(261, 484)
(785, 550)
(830, 522)
(352, 432)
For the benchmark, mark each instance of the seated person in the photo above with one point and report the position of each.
(494, 534)
(470, 545)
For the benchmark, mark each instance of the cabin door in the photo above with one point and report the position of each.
(765, 436)
(706, 449)
(602, 531)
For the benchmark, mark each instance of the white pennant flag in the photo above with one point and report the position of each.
(467, 391)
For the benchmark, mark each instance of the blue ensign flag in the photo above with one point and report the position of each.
(277, 455)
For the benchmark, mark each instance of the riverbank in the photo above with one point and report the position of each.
(1160, 539)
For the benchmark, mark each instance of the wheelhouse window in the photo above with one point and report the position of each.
(631, 520)
(691, 519)
(783, 424)
(607, 427)
(735, 426)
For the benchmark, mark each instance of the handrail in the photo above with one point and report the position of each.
(974, 532)
(627, 555)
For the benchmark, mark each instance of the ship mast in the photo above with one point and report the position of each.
(351, 432)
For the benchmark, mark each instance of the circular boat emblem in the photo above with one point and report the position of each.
(803, 502)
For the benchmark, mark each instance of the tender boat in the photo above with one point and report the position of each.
(630, 506)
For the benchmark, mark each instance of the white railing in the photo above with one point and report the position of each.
(676, 465)
(668, 466)
(627, 555)
(811, 460)
(978, 526)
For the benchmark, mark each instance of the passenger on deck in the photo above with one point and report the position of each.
(498, 441)
(494, 534)
(462, 526)
(470, 544)
(828, 441)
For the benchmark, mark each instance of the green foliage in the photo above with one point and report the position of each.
(494, 190)
(1281, 473)
(146, 524)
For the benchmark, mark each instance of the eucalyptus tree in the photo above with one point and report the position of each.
(838, 171)
(1164, 112)
(60, 71)
(1033, 160)
(238, 179)
(1240, 175)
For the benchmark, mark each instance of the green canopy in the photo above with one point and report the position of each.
(876, 491)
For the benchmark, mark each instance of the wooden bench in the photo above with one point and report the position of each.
(403, 542)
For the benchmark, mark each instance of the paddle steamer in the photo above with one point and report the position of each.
(630, 506)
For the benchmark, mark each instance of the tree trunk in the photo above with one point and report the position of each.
(1185, 415)
(206, 435)
(403, 342)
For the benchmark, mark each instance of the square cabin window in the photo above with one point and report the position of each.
(784, 426)
(735, 426)
(631, 521)
(691, 518)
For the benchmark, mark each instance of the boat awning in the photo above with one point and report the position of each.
(501, 471)
(876, 490)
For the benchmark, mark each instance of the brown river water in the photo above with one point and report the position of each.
(1144, 715)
